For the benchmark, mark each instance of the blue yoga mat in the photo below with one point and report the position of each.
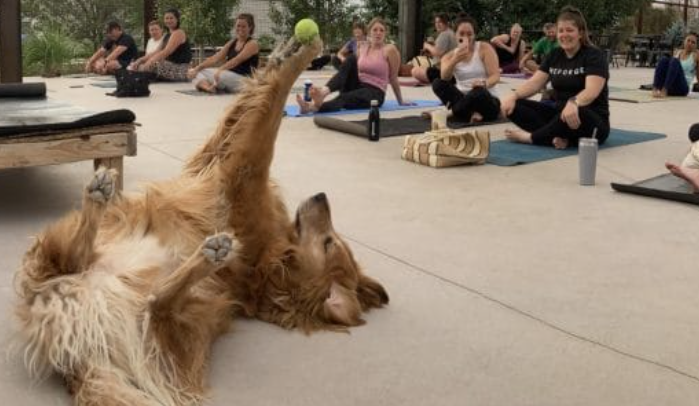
(508, 153)
(389, 105)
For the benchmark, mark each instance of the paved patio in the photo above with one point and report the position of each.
(509, 286)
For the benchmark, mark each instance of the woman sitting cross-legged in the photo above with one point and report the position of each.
(474, 65)
(578, 72)
(674, 76)
(361, 78)
(238, 58)
(171, 62)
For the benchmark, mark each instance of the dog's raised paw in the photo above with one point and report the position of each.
(103, 185)
(218, 248)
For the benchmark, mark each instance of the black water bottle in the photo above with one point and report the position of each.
(373, 130)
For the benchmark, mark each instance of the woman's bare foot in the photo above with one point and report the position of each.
(518, 136)
(560, 143)
(304, 106)
(207, 87)
(476, 118)
(688, 174)
(318, 95)
(659, 93)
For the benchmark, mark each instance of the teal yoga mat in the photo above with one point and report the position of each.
(389, 105)
(508, 153)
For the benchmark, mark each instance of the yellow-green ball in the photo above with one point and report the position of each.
(306, 30)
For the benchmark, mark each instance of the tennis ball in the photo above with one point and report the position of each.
(306, 30)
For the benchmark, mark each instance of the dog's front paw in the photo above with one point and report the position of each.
(103, 185)
(218, 248)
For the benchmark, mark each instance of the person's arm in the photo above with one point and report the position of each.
(114, 55)
(214, 59)
(492, 67)
(343, 52)
(696, 67)
(522, 50)
(500, 40)
(250, 49)
(98, 54)
(177, 38)
(393, 56)
(448, 62)
(527, 56)
(528, 88)
(593, 87)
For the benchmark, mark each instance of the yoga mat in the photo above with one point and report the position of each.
(194, 92)
(105, 85)
(643, 96)
(391, 127)
(19, 116)
(508, 153)
(516, 75)
(666, 186)
(22, 90)
(410, 82)
(389, 105)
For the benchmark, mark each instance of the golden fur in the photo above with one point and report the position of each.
(125, 297)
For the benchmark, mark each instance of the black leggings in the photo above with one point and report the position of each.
(479, 100)
(353, 93)
(544, 122)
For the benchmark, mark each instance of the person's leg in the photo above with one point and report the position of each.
(558, 134)
(229, 82)
(512, 67)
(448, 93)
(675, 82)
(336, 62)
(479, 104)
(99, 66)
(204, 80)
(356, 99)
(530, 116)
(346, 78)
(174, 72)
(660, 75)
(320, 62)
(689, 174)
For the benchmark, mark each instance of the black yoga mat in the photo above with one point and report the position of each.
(666, 186)
(26, 115)
(391, 127)
(23, 90)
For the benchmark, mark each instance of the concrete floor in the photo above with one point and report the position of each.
(509, 285)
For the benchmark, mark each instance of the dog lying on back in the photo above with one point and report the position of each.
(125, 297)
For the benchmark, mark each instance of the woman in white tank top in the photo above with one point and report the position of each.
(469, 75)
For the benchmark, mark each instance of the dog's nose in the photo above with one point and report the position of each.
(320, 198)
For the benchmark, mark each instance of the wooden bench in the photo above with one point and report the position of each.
(105, 145)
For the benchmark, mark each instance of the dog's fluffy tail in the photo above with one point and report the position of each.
(245, 137)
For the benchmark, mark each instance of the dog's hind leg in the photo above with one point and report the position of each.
(68, 246)
(171, 294)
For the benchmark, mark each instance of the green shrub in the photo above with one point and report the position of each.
(49, 52)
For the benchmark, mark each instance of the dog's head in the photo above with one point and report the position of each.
(331, 288)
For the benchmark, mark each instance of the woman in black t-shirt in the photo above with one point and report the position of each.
(578, 72)
(172, 61)
(237, 59)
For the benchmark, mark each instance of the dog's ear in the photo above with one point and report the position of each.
(342, 307)
(370, 293)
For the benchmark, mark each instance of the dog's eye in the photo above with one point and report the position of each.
(327, 243)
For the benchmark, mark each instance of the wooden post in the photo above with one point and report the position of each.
(149, 14)
(686, 12)
(10, 42)
(639, 21)
(407, 27)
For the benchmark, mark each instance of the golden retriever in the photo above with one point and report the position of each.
(125, 297)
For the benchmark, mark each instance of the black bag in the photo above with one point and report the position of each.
(131, 83)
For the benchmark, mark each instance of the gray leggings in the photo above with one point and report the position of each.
(228, 81)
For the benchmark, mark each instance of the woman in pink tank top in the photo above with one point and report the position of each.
(361, 78)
